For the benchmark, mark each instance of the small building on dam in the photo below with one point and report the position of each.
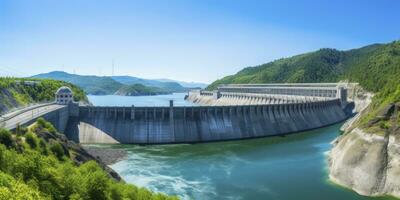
(64, 96)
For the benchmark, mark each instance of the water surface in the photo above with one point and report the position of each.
(284, 168)
(156, 100)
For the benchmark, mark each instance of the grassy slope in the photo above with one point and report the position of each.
(375, 67)
(14, 92)
(39, 163)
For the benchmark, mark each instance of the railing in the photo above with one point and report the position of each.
(17, 111)
(284, 85)
(317, 102)
(285, 98)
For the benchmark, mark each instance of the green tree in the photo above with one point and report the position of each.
(32, 140)
(57, 150)
(6, 138)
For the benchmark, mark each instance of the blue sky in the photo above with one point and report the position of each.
(181, 39)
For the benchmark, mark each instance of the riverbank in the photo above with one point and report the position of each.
(108, 156)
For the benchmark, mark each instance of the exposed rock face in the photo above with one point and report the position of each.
(369, 163)
(361, 99)
(7, 101)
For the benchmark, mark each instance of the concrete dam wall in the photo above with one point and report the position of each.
(163, 125)
(58, 118)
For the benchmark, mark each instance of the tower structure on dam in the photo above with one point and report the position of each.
(64, 96)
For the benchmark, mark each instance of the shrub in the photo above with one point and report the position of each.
(41, 122)
(51, 128)
(20, 130)
(30, 174)
(384, 125)
(97, 185)
(43, 147)
(6, 138)
(13, 189)
(32, 140)
(57, 150)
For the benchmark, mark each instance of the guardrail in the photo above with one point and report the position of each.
(14, 113)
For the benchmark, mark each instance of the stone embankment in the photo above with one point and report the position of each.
(108, 156)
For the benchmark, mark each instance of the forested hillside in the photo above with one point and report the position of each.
(140, 90)
(375, 67)
(15, 92)
(40, 163)
(324, 65)
(170, 85)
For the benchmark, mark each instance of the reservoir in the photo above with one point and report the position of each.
(284, 168)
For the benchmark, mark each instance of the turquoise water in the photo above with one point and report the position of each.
(157, 100)
(285, 168)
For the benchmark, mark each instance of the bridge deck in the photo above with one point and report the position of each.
(11, 120)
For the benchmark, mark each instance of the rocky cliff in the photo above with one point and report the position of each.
(367, 159)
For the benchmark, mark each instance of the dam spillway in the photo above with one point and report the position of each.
(247, 111)
(157, 125)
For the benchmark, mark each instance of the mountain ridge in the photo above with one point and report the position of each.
(375, 67)
(105, 85)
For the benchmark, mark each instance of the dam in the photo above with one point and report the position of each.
(231, 112)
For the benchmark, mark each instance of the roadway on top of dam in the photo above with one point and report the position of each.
(25, 115)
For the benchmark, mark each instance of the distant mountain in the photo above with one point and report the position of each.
(103, 85)
(140, 90)
(184, 84)
(97, 85)
(171, 86)
(130, 80)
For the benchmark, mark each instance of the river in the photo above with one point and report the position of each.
(284, 168)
